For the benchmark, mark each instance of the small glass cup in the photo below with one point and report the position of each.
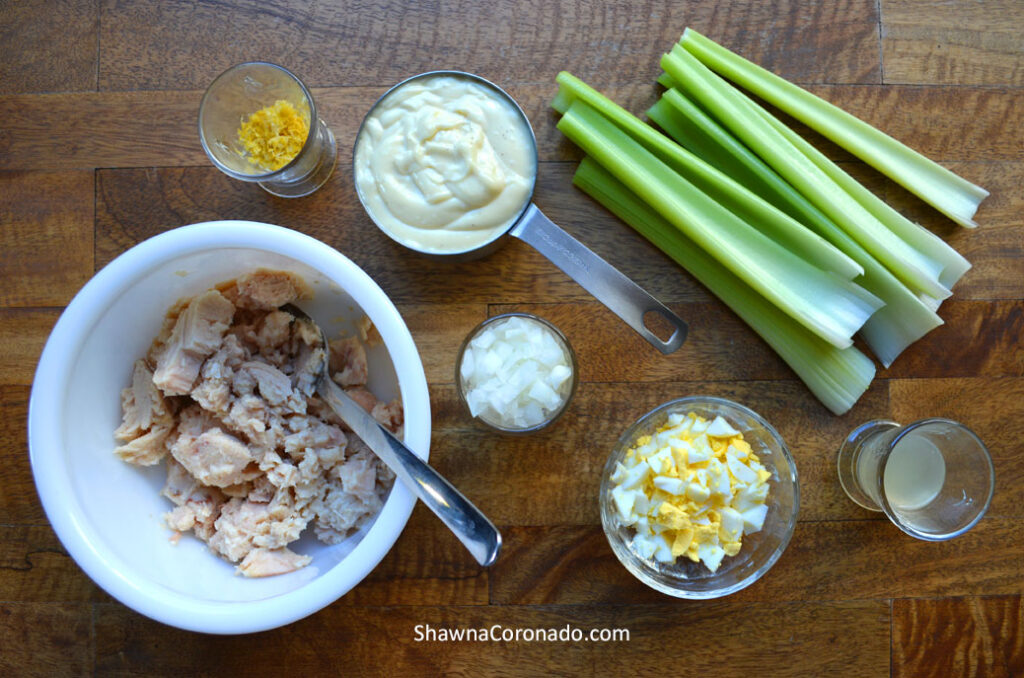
(553, 416)
(239, 92)
(760, 550)
(932, 478)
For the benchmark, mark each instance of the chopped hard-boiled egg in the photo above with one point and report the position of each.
(692, 489)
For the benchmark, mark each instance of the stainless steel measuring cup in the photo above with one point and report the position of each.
(609, 286)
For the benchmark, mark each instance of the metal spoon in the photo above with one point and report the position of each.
(465, 520)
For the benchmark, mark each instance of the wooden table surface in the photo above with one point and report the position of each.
(98, 151)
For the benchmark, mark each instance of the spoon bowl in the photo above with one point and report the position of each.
(466, 521)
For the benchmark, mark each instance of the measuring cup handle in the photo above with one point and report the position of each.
(621, 295)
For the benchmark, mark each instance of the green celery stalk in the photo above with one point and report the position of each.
(825, 303)
(747, 205)
(953, 265)
(952, 195)
(688, 124)
(837, 377)
(904, 319)
(732, 109)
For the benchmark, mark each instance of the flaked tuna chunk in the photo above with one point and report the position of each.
(348, 362)
(244, 525)
(198, 332)
(274, 385)
(363, 397)
(358, 475)
(269, 562)
(214, 457)
(339, 513)
(262, 491)
(262, 425)
(197, 507)
(142, 405)
(390, 415)
(267, 290)
(213, 391)
(147, 449)
(312, 433)
(307, 368)
(179, 483)
(274, 330)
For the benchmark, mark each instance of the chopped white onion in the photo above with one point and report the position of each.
(516, 373)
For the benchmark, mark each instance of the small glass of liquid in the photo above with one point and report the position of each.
(933, 478)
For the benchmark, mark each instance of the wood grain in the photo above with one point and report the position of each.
(37, 569)
(958, 637)
(46, 640)
(936, 42)
(861, 559)
(46, 132)
(19, 502)
(818, 639)
(23, 333)
(439, 331)
(49, 46)
(169, 46)
(978, 338)
(42, 213)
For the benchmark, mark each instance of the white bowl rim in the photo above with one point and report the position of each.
(47, 397)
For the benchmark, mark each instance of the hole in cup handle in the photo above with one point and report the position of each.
(665, 328)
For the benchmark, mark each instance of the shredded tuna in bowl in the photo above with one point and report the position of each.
(111, 516)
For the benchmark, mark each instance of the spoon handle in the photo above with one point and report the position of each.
(472, 527)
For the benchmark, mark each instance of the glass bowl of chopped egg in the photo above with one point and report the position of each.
(699, 497)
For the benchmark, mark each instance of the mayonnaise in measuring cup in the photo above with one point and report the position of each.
(445, 164)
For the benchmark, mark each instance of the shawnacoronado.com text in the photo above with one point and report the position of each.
(498, 633)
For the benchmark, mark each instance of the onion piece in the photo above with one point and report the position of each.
(516, 373)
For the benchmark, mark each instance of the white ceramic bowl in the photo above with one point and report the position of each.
(109, 514)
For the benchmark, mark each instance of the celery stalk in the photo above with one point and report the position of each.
(837, 377)
(733, 110)
(688, 124)
(735, 197)
(952, 195)
(904, 319)
(826, 304)
(953, 265)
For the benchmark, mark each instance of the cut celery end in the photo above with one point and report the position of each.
(734, 110)
(666, 81)
(904, 319)
(952, 195)
(837, 377)
(747, 205)
(953, 265)
(826, 304)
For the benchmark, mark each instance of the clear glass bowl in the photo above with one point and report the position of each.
(239, 92)
(684, 578)
(553, 416)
